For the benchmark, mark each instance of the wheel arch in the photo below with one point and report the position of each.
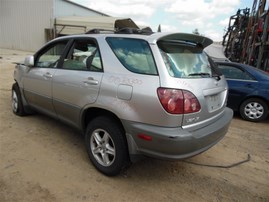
(27, 108)
(93, 112)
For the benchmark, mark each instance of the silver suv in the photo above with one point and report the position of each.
(154, 94)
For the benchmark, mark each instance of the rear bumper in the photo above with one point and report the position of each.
(176, 143)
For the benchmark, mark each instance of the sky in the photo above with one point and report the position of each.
(210, 17)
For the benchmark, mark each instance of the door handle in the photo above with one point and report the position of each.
(91, 81)
(47, 75)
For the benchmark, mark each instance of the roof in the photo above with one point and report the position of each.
(78, 24)
(152, 38)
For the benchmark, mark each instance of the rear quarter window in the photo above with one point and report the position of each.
(134, 54)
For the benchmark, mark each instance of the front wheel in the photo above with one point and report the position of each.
(254, 109)
(106, 146)
(16, 101)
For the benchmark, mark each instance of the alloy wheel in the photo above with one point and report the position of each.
(102, 147)
(14, 101)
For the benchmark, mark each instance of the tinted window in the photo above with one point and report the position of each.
(84, 55)
(134, 54)
(232, 72)
(184, 60)
(49, 57)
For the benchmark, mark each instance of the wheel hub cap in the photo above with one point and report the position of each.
(254, 110)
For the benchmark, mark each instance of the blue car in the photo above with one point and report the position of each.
(248, 90)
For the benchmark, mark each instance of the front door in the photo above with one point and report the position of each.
(38, 81)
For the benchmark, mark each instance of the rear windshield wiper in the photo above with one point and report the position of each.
(202, 74)
(205, 75)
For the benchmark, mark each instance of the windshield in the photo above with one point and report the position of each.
(185, 60)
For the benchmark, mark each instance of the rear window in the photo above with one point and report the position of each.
(134, 54)
(185, 60)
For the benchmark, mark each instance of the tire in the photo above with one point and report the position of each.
(254, 110)
(16, 101)
(106, 146)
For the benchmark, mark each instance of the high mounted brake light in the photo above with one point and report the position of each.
(176, 101)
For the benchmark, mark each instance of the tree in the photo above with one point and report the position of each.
(196, 31)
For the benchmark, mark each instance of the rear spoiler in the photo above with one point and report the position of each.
(185, 37)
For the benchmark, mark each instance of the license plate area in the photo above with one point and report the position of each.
(214, 102)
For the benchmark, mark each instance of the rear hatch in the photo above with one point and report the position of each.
(193, 90)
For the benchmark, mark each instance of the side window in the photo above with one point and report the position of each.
(84, 55)
(231, 72)
(50, 57)
(134, 54)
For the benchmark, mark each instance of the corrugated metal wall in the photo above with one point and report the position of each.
(23, 23)
(67, 8)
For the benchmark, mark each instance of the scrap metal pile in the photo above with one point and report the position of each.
(247, 37)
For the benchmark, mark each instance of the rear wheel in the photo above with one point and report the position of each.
(16, 101)
(254, 109)
(106, 146)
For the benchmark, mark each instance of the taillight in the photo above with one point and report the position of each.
(177, 101)
(191, 103)
(172, 100)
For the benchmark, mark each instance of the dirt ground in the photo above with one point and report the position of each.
(43, 160)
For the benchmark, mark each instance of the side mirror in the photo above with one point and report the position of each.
(29, 61)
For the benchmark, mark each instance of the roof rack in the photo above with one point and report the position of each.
(125, 30)
(128, 30)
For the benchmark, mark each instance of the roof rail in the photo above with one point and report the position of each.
(126, 30)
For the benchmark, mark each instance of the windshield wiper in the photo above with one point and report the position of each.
(202, 74)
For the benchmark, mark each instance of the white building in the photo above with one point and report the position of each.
(28, 24)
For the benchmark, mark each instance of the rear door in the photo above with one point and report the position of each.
(37, 83)
(76, 83)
